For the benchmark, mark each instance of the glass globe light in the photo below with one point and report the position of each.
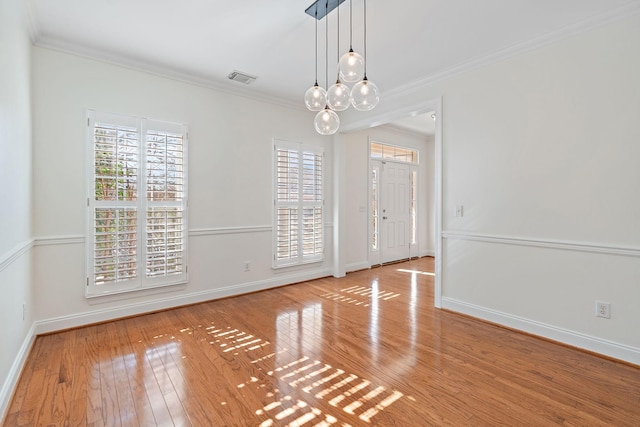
(338, 96)
(327, 122)
(351, 67)
(315, 98)
(364, 95)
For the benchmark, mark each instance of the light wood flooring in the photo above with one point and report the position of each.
(368, 349)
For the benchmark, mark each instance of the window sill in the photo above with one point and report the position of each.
(128, 294)
(297, 264)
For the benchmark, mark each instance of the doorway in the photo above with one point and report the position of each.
(352, 233)
(394, 193)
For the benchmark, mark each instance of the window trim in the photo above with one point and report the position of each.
(300, 259)
(142, 205)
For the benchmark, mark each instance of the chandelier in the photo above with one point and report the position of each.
(351, 68)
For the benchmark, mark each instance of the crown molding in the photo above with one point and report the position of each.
(40, 40)
(151, 68)
(620, 13)
(29, 18)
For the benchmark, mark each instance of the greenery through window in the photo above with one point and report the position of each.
(137, 204)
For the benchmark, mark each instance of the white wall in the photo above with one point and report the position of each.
(542, 150)
(230, 185)
(357, 203)
(545, 146)
(15, 195)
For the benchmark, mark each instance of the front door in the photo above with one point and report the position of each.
(395, 219)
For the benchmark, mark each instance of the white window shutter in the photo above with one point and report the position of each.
(136, 204)
(298, 204)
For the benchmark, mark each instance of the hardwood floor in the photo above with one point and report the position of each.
(368, 349)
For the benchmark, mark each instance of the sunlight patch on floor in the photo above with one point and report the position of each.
(351, 395)
(354, 294)
(426, 273)
(341, 387)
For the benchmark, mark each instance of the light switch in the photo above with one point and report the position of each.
(458, 211)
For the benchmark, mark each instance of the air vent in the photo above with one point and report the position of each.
(241, 77)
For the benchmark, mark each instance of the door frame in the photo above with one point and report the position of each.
(376, 118)
(376, 257)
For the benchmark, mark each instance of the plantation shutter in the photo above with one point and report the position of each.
(298, 204)
(165, 185)
(287, 209)
(312, 244)
(114, 214)
(136, 235)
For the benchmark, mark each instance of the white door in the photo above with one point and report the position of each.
(395, 217)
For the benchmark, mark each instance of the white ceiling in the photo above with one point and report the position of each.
(204, 40)
(423, 124)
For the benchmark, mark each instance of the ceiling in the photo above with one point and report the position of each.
(204, 40)
(422, 124)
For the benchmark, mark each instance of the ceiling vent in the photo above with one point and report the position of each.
(241, 77)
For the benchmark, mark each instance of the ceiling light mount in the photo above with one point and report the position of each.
(351, 68)
(321, 8)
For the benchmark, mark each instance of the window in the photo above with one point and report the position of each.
(414, 206)
(394, 153)
(137, 204)
(375, 196)
(298, 204)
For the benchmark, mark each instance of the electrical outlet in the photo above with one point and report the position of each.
(247, 266)
(603, 309)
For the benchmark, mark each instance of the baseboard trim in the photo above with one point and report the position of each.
(575, 339)
(10, 383)
(103, 315)
(356, 266)
(364, 265)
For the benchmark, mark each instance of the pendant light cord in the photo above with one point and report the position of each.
(351, 25)
(326, 44)
(365, 39)
(316, 69)
(338, 52)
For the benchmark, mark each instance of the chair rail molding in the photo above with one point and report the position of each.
(543, 243)
(22, 248)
